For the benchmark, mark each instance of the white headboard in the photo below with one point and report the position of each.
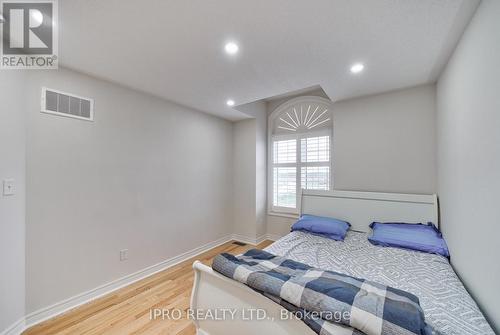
(362, 208)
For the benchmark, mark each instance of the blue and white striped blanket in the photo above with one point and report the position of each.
(326, 300)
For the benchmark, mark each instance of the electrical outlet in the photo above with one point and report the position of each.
(8, 187)
(123, 255)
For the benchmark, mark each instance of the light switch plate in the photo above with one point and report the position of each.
(8, 187)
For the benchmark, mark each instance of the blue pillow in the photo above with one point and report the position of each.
(323, 226)
(420, 237)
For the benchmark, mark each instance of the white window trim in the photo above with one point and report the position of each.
(286, 211)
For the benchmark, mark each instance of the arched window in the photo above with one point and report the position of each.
(300, 147)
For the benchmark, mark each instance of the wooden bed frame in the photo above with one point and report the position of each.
(214, 292)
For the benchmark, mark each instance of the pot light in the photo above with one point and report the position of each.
(230, 102)
(357, 68)
(231, 48)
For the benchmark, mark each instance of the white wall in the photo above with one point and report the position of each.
(261, 170)
(147, 175)
(383, 143)
(386, 142)
(12, 208)
(244, 182)
(468, 126)
(258, 112)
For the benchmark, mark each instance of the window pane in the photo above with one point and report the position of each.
(315, 149)
(315, 177)
(284, 187)
(285, 151)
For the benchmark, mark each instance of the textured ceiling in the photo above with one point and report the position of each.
(174, 49)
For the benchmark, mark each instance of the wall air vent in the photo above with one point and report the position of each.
(67, 104)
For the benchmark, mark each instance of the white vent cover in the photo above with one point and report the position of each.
(67, 104)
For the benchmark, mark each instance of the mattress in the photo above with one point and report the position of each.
(447, 306)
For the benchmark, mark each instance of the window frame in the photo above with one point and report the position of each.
(288, 211)
(273, 117)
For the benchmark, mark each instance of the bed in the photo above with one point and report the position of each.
(447, 306)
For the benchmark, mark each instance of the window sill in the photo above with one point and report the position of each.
(285, 215)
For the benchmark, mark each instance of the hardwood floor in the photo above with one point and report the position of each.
(127, 310)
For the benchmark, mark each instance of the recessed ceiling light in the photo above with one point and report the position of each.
(231, 48)
(230, 102)
(357, 68)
